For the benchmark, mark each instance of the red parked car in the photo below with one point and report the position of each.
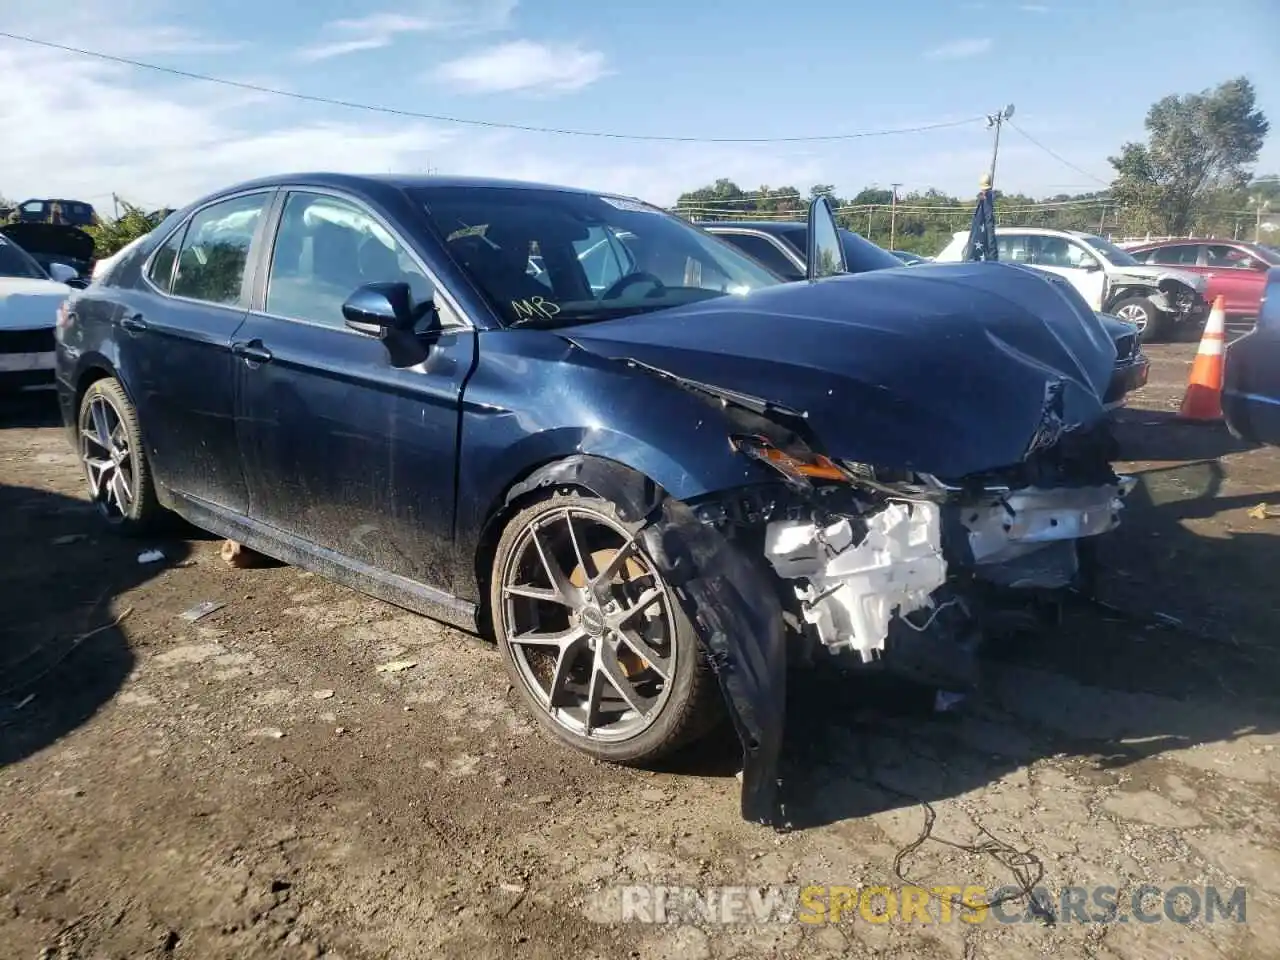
(1234, 269)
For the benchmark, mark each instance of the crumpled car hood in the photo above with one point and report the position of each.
(943, 371)
(51, 240)
(1154, 274)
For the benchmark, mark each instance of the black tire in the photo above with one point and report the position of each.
(142, 515)
(1155, 328)
(693, 705)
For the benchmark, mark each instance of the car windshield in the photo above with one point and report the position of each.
(16, 262)
(1111, 253)
(553, 257)
(1268, 255)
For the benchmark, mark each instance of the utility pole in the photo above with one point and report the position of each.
(115, 203)
(893, 214)
(996, 120)
(1263, 206)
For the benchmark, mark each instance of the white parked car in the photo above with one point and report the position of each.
(1154, 298)
(29, 301)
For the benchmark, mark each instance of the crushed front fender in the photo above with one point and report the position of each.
(736, 611)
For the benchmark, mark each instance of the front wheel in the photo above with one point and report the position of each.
(115, 464)
(593, 637)
(1152, 324)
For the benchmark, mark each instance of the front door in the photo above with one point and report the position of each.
(175, 348)
(340, 448)
(1072, 260)
(1239, 277)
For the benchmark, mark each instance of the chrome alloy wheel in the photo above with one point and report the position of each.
(589, 624)
(1134, 314)
(107, 457)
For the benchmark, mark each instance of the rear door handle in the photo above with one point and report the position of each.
(134, 323)
(251, 350)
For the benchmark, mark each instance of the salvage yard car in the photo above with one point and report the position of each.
(781, 246)
(640, 489)
(60, 249)
(1156, 299)
(29, 300)
(1251, 372)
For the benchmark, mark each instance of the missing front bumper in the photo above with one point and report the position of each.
(854, 576)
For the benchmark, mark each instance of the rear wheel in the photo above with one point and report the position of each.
(1152, 324)
(115, 464)
(594, 638)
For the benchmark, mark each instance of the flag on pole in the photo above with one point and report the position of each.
(982, 232)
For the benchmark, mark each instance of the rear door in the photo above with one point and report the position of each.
(1237, 275)
(342, 450)
(175, 336)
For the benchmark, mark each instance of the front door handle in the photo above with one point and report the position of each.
(251, 350)
(134, 323)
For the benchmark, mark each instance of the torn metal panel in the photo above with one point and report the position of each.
(738, 617)
(1022, 521)
(855, 585)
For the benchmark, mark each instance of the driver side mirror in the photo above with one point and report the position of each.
(1090, 265)
(387, 311)
(63, 272)
(826, 252)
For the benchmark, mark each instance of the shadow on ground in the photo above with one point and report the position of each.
(1111, 685)
(1161, 435)
(31, 408)
(61, 577)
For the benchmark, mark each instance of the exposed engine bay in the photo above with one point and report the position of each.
(871, 559)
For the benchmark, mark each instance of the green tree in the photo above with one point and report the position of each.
(112, 235)
(1197, 144)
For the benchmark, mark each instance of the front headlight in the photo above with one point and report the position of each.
(798, 467)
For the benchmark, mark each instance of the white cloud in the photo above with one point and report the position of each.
(960, 49)
(376, 30)
(523, 65)
(91, 128)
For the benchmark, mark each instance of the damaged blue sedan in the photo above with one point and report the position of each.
(645, 465)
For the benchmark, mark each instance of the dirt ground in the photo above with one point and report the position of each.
(251, 785)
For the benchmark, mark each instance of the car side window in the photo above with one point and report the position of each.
(215, 250)
(765, 251)
(1182, 254)
(1013, 248)
(604, 259)
(326, 248)
(1230, 258)
(161, 271)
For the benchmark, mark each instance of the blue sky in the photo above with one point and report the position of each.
(1081, 74)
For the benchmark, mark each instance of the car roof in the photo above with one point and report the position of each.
(765, 226)
(401, 181)
(1038, 231)
(1176, 241)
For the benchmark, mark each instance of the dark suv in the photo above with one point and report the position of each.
(75, 213)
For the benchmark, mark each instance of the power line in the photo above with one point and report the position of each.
(1057, 156)
(493, 124)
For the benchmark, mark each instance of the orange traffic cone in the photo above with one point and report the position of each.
(1203, 399)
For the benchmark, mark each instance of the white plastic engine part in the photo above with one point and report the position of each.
(854, 590)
